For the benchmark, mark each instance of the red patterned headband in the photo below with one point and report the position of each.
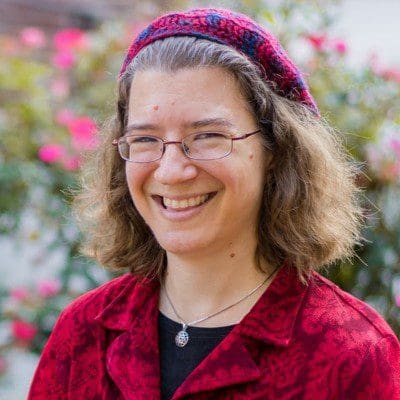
(237, 31)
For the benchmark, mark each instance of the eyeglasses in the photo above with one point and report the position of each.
(196, 146)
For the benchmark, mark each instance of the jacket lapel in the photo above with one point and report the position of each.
(229, 364)
(271, 321)
(132, 359)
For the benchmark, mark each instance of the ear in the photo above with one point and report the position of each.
(269, 159)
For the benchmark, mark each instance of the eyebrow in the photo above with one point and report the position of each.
(222, 122)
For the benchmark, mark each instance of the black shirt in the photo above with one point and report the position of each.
(176, 363)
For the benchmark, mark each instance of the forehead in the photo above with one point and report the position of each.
(187, 94)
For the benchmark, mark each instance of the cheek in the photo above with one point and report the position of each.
(136, 178)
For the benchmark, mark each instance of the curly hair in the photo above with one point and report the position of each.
(310, 213)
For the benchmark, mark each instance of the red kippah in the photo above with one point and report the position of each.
(237, 31)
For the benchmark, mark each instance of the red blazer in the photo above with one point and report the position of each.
(298, 342)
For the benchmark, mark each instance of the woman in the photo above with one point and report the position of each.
(226, 193)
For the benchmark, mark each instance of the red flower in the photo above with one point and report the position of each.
(63, 59)
(83, 131)
(19, 293)
(70, 39)
(32, 37)
(49, 288)
(317, 41)
(23, 331)
(51, 153)
(340, 46)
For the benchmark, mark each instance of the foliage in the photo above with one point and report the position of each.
(54, 92)
(57, 90)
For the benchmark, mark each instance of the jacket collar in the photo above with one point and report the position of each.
(126, 309)
(133, 356)
(271, 319)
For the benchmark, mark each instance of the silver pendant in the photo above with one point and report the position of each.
(182, 337)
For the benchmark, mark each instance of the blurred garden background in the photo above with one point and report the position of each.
(58, 70)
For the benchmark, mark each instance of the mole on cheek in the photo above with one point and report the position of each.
(155, 108)
(232, 255)
(251, 156)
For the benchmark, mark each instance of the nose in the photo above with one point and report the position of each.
(174, 167)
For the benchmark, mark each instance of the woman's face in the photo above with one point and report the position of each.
(172, 106)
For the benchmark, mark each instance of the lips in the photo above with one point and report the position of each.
(183, 203)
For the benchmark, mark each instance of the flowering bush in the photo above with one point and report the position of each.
(365, 105)
(56, 92)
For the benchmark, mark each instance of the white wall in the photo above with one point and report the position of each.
(371, 26)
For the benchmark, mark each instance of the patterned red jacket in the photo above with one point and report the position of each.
(312, 342)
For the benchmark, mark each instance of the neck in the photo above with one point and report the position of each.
(202, 285)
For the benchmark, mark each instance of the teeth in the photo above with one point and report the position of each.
(192, 201)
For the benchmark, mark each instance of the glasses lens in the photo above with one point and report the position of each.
(141, 148)
(207, 145)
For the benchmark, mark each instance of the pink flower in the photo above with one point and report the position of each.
(340, 46)
(397, 300)
(317, 41)
(60, 87)
(32, 37)
(63, 59)
(65, 116)
(23, 331)
(19, 293)
(51, 153)
(71, 163)
(70, 39)
(48, 288)
(83, 131)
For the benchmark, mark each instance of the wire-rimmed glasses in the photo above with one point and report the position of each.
(196, 146)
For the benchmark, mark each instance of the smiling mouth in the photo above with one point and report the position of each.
(184, 204)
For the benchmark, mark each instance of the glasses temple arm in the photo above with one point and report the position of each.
(246, 135)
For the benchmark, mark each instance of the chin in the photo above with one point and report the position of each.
(181, 243)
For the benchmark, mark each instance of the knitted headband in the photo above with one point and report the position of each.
(237, 31)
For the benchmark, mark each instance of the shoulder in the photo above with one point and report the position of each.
(352, 339)
(76, 334)
(91, 303)
(329, 308)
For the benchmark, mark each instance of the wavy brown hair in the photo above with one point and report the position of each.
(310, 214)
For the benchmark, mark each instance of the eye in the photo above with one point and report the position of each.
(141, 139)
(209, 135)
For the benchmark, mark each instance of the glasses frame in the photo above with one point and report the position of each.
(117, 142)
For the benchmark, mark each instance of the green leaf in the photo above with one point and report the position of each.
(269, 16)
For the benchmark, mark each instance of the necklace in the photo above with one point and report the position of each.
(182, 337)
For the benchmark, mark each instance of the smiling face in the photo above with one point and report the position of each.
(193, 206)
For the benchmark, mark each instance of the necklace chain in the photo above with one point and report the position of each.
(182, 337)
